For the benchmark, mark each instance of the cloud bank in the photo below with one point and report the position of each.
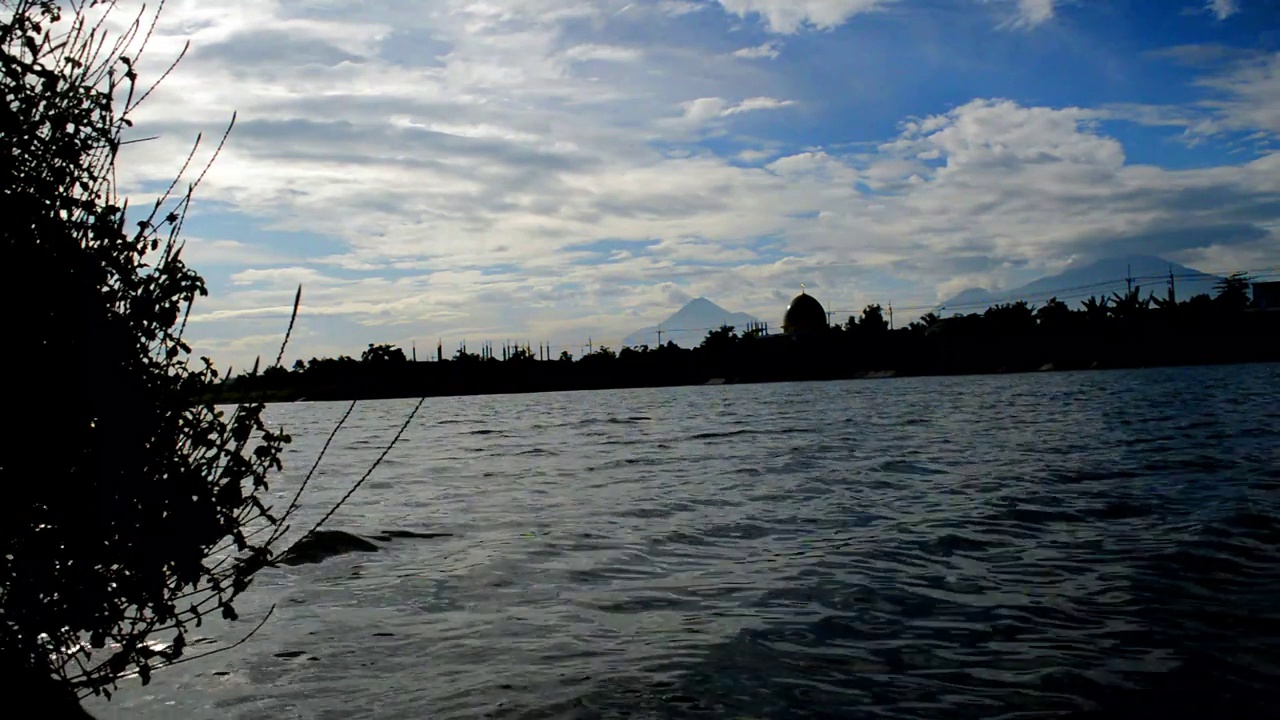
(552, 169)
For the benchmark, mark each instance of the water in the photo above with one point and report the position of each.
(975, 547)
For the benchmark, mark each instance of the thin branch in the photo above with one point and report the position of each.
(183, 53)
(293, 505)
(186, 163)
(293, 317)
(217, 151)
(146, 39)
(366, 475)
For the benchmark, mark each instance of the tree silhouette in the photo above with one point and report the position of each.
(1233, 292)
(383, 354)
(720, 339)
(1053, 316)
(1129, 307)
(1010, 319)
(873, 321)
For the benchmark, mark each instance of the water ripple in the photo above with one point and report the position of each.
(1050, 545)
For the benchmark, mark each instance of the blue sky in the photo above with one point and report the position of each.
(549, 170)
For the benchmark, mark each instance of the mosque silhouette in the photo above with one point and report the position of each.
(804, 315)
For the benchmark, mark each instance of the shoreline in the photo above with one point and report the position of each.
(348, 394)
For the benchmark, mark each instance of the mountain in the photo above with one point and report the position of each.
(689, 325)
(1101, 277)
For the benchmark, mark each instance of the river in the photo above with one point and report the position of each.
(966, 547)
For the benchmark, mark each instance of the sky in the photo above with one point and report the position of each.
(558, 170)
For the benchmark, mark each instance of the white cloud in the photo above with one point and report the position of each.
(769, 50)
(1034, 12)
(757, 103)
(464, 188)
(752, 155)
(1028, 13)
(1246, 89)
(1251, 92)
(607, 53)
(790, 16)
(1222, 9)
(676, 8)
(202, 252)
(1011, 184)
(805, 162)
(702, 110)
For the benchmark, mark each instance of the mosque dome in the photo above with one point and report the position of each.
(804, 314)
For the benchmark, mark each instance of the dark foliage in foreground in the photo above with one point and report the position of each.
(131, 512)
(1111, 332)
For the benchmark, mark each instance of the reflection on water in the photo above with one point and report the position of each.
(1079, 544)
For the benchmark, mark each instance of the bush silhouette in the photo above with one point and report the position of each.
(133, 510)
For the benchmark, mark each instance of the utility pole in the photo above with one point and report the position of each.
(659, 335)
(590, 347)
(415, 350)
(1173, 293)
(891, 316)
(1128, 279)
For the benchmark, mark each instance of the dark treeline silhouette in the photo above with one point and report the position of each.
(1118, 331)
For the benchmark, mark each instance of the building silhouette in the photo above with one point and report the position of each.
(1266, 295)
(804, 315)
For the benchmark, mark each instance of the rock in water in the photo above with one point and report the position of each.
(324, 544)
(389, 535)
